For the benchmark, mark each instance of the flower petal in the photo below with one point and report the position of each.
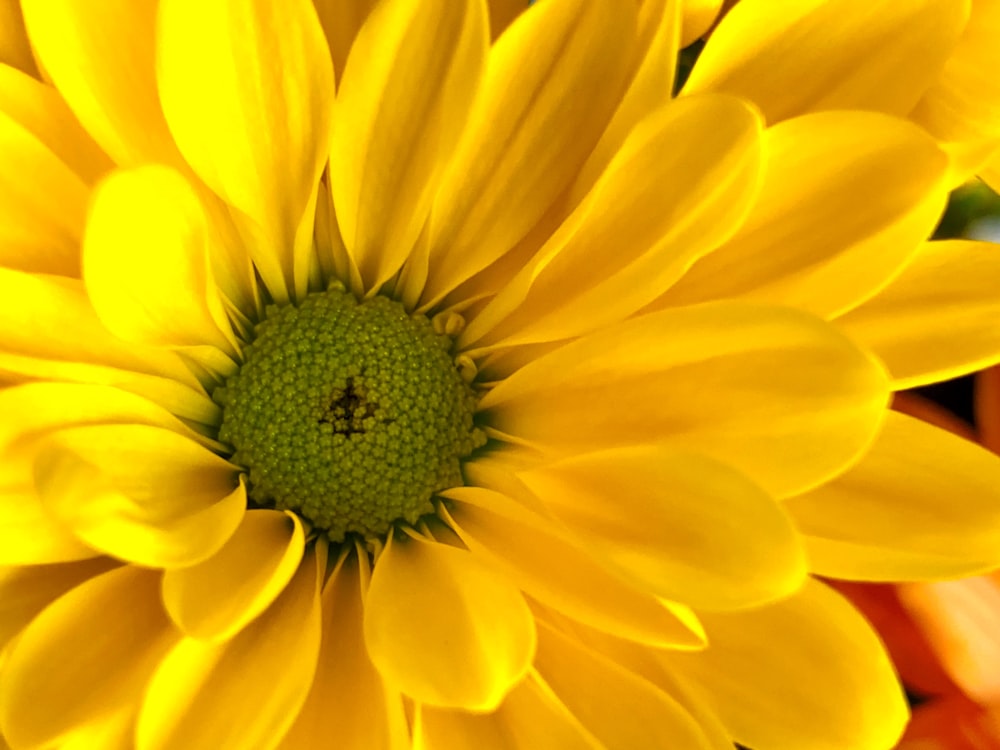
(443, 628)
(699, 15)
(146, 262)
(100, 58)
(680, 525)
(619, 708)
(774, 392)
(26, 591)
(348, 695)
(848, 54)
(15, 49)
(808, 673)
(552, 82)
(85, 657)
(41, 219)
(42, 112)
(938, 319)
(200, 697)
(217, 598)
(28, 533)
(893, 516)
(403, 101)
(48, 330)
(141, 493)
(537, 557)
(529, 718)
(247, 89)
(825, 234)
(678, 188)
(341, 20)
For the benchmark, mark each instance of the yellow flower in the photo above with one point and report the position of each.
(466, 393)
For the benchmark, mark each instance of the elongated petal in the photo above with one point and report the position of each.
(620, 709)
(48, 330)
(41, 219)
(144, 494)
(552, 81)
(680, 525)
(776, 393)
(15, 49)
(825, 233)
(938, 319)
(341, 20)
(531, 717)
(100, 58)
(678, 188)
(86, 656)
(921, 503)
(243, 693)
(548, 566)
(348, 695)
(28, 533)
(26, 591)
(698, 15)
(42, 112)
(146, 262)
(217, 598)
(444, 629)
(808, 673)
(848, 54)
(247, 88)
(403, 101)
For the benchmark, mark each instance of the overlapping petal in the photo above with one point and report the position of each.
(245, 692)
(677, 524)
(403, 101)
(544, 563)
(937, 319)
(825, 233)
(216, 599)
(896, 514)
(808, 673)
(15, 49)
(462, 643)
(795, 56)
(247, 89)
(774, 392)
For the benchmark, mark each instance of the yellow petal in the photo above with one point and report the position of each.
(85, 657)
(529, 719)
(28, 533)
(894, 515)
(808, 673)
(544, 563)
(677, 524)
(146, 262)
(699, 15)
(143, 494)
(217, 598)
(341, 20)
(247, 88)
(246, 692)
(552, 81)
(100, 58)
(619, 708)
(48, 330)
(962, 106)
(403, 101)
(43, 113)
(15, 49)
(41, 218)
(678, 188)
(774, 392)
(796, 56)
(26, 591)
(825, 233)
(938, 319)
(444, 629)
(348, 696)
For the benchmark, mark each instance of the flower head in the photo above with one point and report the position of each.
(462, 393)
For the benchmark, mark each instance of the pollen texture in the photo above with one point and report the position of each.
(350, 414)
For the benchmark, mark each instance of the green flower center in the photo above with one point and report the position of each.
(350, 414)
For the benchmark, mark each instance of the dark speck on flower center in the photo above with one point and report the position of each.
(350, 414)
